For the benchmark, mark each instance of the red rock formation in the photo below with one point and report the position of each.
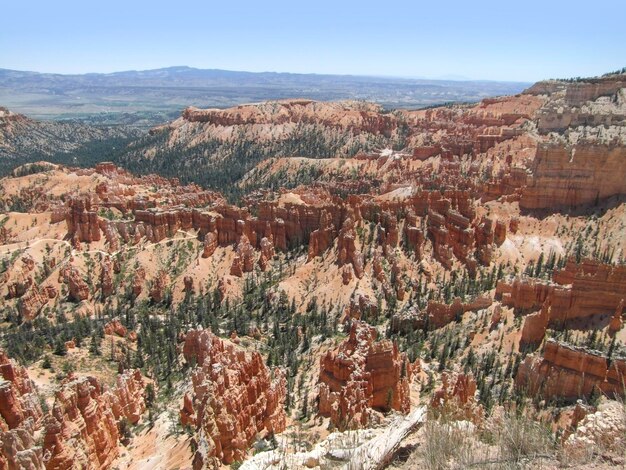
(346, 248)
(578, 292)
(535, 326)
(159, 286)
(210, 244)
(361, 306)
(363, 374)
(499, 233)
(616, 321)
(570, 373)
(267, 252)
(352, 116)
(32, 302)
(78, 288)
(19, 449)
(437, 314)
(138, 280)
(565, 177)
(82, 429)
(115, 327)
(235, 397)
(321, 239)
(106, 277)
(126, 399)
(18, 397)
(457, 396)
(20, 416)
(82, 222)
(244, 258)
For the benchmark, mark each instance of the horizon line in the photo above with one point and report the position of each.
(441, 78)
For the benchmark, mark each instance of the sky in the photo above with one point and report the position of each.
(504, 40)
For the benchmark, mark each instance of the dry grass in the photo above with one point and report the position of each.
(512, 442)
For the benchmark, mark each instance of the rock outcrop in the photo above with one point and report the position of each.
(578, 292)
(106, 277)
(244, 258)
(210, 244)
(32, 302)
(234, 398)
(138, 280)
(362, 375)
(20, 416)
(82, 222)
(569, 373)
(347, 252)
(457, 397)
(82, 429)
(159, 286)
(115, 327)
(77, 287)
(571, 176)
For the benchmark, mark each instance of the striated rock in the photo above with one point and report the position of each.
(159, 286)
(106, 277)
(82, 222)
(82, 429)
(115, 327)
(18, 396)
(363, 374)
(236, 268)
(20, 416)
(32, 302)
(535, 326)
(127, 399)
(570, 373)
(78, 288)
(457, 396)
(210, 244)
(499, 233)
(235, 398)
(138, 280)
(437, 314)
(346, 248)
(19, 449)
(570, 176)
(244, 258)
(616, 321)
(579, 291)
(322, 238)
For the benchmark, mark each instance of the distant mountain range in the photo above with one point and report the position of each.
(148, 97)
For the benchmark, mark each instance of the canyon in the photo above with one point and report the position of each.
(295, 279)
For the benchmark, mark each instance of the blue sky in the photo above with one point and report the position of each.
(503, 40)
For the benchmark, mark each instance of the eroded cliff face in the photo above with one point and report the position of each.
(20, 416)
(570, 373)
(568, 176)
(347, 115)
(234, 398)
(582, 158)
(82, 428)
(578, 293)
(363, 375)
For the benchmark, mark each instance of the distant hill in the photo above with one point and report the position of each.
(148, 97)
(24, 140)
